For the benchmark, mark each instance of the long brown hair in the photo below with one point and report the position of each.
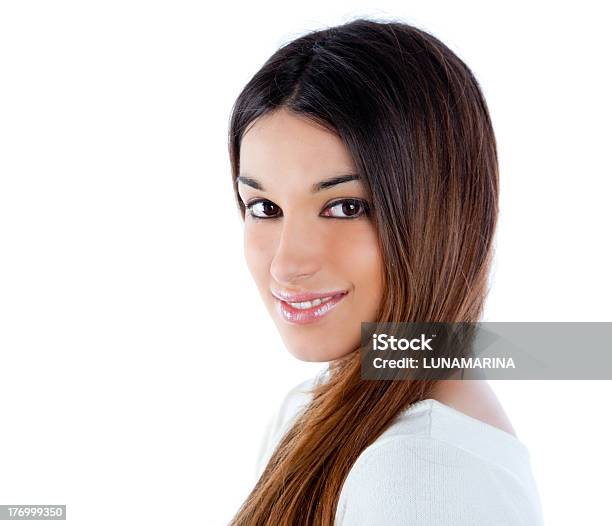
(414, 119)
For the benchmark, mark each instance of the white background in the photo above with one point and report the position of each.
(138, 366)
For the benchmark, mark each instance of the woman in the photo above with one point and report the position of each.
(365, 169)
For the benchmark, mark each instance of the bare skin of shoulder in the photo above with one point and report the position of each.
(475, 398)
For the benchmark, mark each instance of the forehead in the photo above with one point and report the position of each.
(284, 143)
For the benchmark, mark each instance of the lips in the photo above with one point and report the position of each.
(297, 315)
(306, 296)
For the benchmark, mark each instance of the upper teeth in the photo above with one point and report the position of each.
(310, 304)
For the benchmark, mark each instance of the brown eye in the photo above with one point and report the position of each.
(348, 208)
(262, 209)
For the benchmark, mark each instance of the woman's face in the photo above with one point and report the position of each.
(308, 238)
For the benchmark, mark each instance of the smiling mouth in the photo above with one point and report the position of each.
(304, 305)
(308, 311)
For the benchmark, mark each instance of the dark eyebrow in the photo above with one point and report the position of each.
(317, 187)
(249, 181)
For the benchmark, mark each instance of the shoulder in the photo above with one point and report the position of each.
(421, 480)
(476, 399)
(296, 399)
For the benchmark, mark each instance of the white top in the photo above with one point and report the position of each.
(433, 466)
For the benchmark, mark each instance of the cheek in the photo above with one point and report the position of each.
(258, 251)
(358, 254)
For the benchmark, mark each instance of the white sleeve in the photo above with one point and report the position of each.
(411, 480)
(293, 402)
(264, 445)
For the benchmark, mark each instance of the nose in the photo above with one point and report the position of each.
(298, 255)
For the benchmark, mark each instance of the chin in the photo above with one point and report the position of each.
(313, 353)
(309, 358)
(307, 351)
